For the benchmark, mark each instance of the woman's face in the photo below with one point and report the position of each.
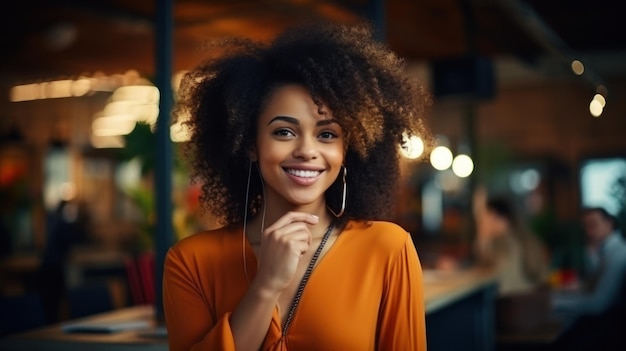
(497, 224)
(299, 151)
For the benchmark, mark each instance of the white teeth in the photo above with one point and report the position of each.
(303, 173)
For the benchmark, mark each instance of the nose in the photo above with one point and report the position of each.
(306, 149)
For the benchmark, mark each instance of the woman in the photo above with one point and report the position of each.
(519, 257)
(296, 145)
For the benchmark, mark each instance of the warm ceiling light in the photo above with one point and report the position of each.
(25, 92)
(577, 67)
(441, 158)
(59, 89)
(600, 99)
(412, 147)
(81, 86)
(118, 107)
(595, 108)
(462, 166)
(137, 93)
(113, 125)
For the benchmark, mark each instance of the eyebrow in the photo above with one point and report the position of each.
(295, 121)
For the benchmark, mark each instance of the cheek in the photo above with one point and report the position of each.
(269, 152)
(335, 161)
(335, 154)
(337, 158)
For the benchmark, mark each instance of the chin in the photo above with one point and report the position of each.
(303, 202)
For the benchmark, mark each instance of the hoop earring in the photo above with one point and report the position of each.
(245, 220)
(245, 216)
(258, 170)
(344, 194)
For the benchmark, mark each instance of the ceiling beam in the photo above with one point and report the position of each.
(528, 20)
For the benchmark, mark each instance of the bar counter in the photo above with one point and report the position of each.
(448, 296)
(442, 288)
(460, 309)
(55, 338)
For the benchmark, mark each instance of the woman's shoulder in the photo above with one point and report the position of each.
(206, 242)
(380, 233)
(372, 226)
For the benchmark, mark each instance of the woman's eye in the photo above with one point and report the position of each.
(327, 135)
(284, 133)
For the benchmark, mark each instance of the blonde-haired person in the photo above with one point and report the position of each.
(296, 144)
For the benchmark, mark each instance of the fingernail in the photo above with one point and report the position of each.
(316, 217)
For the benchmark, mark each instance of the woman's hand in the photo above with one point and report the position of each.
(282, 245)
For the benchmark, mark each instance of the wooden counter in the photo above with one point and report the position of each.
(460, 309)
(441, 288)
(54, 338)
(451, 297)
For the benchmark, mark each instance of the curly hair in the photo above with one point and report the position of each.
(361, 81)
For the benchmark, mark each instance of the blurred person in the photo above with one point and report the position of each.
(297, 146)
(66, 227)
(594, 315)
(605, 267)
(503, 243)
(519, 259)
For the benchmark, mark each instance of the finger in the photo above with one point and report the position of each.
(301, 248)
(292, 231)
(298, 246)
(300, 237)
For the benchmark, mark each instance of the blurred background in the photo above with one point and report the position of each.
(528, 105)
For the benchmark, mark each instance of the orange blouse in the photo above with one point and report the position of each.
(365, 293)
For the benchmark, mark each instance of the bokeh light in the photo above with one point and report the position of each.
(441, 158)
(462, 166)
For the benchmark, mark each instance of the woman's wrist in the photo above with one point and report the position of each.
(263, 290)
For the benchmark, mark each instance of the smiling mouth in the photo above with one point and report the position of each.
(302, 173)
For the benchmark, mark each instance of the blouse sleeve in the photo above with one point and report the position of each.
(190, 323)
(402, 316)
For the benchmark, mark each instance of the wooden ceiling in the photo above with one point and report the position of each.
(43, 39)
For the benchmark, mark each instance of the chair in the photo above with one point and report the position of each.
(140, 278)
(21, 313)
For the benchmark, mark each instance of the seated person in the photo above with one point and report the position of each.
(520, 260)
(504, 244)
(605, 269)
(593, 316)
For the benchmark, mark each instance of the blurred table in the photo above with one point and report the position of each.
(460, 309)
(460, 301)
(149, 338)
(441, 287)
